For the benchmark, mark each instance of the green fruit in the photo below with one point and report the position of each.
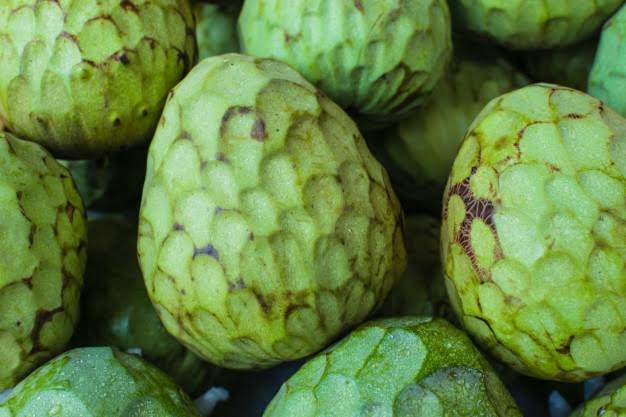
(85, 77)
(97, 382)
(419, 150)
(111, 182)
(606, 80)
(532, 24)
(117, 311)
(396, 368)
(421, 289)
(534, 233)
(42, 257)
(216, 30)
(609, 402)
(381, 58)
(569, 66)
(266, 228)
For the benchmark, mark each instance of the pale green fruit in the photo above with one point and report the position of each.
(216, 30)
(420, 290)
(569, 66)
(42, 257)
(266, 228)
(397, 368)
(534, 233)
(97, 382)
(380, 58)
(532, 24)
(117, 311)
(609, 402)
(606, 80)
(419, 150)
(85, 77)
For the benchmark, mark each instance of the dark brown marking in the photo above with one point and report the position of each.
(129, 5)
(41, 318)
(207, 250)
(178, 227)
(70, 209)
(359, 5)
(258, 131)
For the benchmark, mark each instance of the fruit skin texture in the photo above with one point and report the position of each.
(420, 149)
(94, 382)
(534, 233)
(216, 29)
(421, 290)
(609, 402)
(84, 77)
(43, 242)
(569, 66)
(532, 24)
(111, 182)
(380, 58)
(396, 367)
(266, 227)
(606, 80)
(117, 311)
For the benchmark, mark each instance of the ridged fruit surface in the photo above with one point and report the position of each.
(84, 77)
(420, 149)
(534, 233)
(606, 80)
(267, 228)
(117, 311)
(609, 402)
(396, 367)
(380, 58)
(42, 257)
(97, 382)
(532, 24)
(216, 29)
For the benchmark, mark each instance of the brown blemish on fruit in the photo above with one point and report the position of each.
(207, 250)
(127, 5)
(237, 285)
(178, 227)
(42, 317)
(258, 131)
(69, 210)
(359, 5)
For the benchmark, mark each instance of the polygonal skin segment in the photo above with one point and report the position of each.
(85, 77)
(266, 227)
(43, 238)
(534, 233)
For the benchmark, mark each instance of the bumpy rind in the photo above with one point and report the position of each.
(216, 30)
(95, 382)
(266, 226)
(609, 402)
(43, 253)
(378, 58)
(396, 367)
(532, 24)
(84, 77)
(419, 150)
(534, 233)
(606, 80)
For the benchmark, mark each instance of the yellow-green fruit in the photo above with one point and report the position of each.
(85, 77)
(419, 150)
(420, 290)
(380, 58)
(266, 226)
(609, 402)
(42, 247)
(534, 233)
(532, 24)
(216, 29)
(399, 367)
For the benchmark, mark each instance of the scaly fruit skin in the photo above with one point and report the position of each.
(95, 382)
(396, 367)
(42, 247)
(117, 311)
(569, 66)
(419, 150)
(380, 58)
(266, 226)
(532, 24)
(111, 182)
(85, 77)
(606, 80)
(534, 233)
(421, 290)
(609, 402)
(216, 30)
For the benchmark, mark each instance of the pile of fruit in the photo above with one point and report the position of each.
(347, 208)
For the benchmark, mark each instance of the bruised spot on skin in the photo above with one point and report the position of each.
(207, 250)
(258, 130)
